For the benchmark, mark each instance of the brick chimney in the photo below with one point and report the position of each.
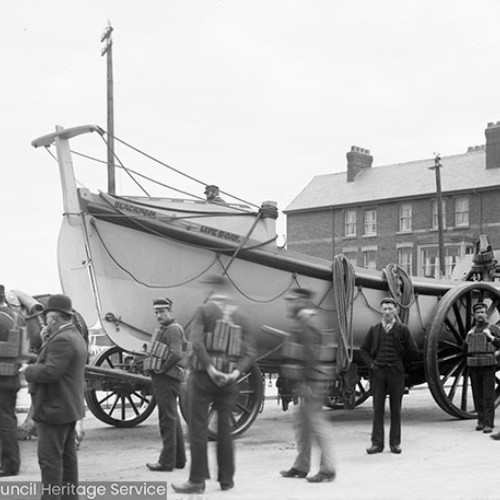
(492, 134)
(357, 160)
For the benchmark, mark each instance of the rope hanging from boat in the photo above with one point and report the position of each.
(240, 246)
(343, 296)
(401, 289)
(217, 260)
(149, 285)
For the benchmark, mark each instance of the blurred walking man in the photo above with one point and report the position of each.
(311, 387)
(223, 351)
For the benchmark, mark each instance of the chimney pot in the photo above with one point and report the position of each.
(357, 159)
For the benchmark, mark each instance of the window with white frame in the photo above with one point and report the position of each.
(370, 222)
(429, 259)
(405, 217)
(405, 259)
(462, 211)
(435, 215)
(370, 259)
(451, 258)
(350, 222)
(430, 263)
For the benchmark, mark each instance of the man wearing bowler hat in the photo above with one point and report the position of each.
(482, 341)
(58, 378)
(386, 347)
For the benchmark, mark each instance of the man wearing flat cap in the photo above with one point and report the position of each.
(58, 378)
(165, 354)
(386, 348)
(482, 341)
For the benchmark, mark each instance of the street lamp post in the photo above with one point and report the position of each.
(108, 51)
(439, 201)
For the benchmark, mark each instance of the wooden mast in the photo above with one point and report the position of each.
(108, 51)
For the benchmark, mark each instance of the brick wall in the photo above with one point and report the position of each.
(321, 233)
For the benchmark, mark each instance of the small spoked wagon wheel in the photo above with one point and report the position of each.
(248, 403)
(444, 348)
(362, 392)
(116, 402)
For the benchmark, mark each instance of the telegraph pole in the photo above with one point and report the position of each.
(439, 200)
(108, 51)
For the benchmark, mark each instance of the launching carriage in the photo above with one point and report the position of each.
(117, 253)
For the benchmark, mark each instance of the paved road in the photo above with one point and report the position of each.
(442, 458)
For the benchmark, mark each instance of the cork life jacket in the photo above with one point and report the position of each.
(308, 354)
(13, 342)
(225, 344)
(480, 352)
(158, 352)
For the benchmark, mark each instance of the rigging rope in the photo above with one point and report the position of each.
(152, 158)
(130, 171)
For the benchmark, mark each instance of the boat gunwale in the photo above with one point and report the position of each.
(292, 261)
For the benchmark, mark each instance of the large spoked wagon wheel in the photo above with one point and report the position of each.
(445, 353)
(247, 405)
(116, 402)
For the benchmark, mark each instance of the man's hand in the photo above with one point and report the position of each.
(45, 333)
(233, 376)
(488, 334)
(218, 378)
(23, 367)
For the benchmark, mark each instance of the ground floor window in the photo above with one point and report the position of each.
(370, 259)
(405, 259)
(429, 259)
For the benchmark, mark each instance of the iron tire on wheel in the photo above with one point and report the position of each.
(444, 350)
(248, 402)
(120, 405)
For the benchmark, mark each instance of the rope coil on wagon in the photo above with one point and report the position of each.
(400, 288)
(343, 294)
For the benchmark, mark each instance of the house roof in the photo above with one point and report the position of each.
(401, 180)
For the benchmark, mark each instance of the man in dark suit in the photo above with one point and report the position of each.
(58, 377)
(386, 347)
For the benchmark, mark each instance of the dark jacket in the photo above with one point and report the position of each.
(403, 343)
(59, 378)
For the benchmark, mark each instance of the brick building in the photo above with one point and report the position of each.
(388, 214)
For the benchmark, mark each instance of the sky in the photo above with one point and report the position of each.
(256, 96)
